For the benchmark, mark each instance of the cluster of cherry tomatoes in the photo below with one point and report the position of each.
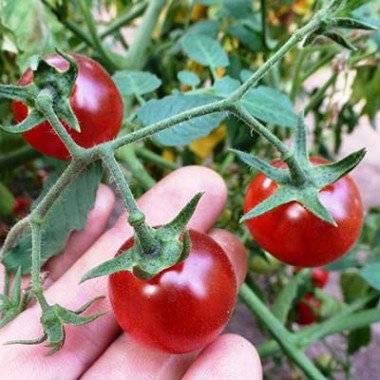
(184, 307)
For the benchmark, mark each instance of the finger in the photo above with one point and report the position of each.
(126, 356)
(230, 357)
(86, 343)
(127, 359)
(79, 241)
(235, 251)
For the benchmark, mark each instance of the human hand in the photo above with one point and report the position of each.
(99, 350)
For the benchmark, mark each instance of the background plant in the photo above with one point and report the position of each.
(178, 72)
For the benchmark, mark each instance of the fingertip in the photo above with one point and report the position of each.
(230, 357)
(234, 249)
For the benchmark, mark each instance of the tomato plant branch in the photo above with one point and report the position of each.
(135, 217)
(37, 290)
(128, 155)
(263, 12)
(153, 158)
(136, 53)
(124, 19)
(308, 335)
(44, 101)
(68, 24)
(84, 6)
(279, 333)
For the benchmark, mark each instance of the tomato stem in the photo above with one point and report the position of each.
(136, 218)
(44, 102)
(283, 337)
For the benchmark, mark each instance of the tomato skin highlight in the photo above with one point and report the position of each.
(294, 235)
(184, 307)
(95, 100)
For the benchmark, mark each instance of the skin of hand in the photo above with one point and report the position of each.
(99, 350)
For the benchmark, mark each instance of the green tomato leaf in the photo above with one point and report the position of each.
(136, 82)
(370, 273)
(205, 50)
(225, 86)
(208, 27)
(358, 338)
(6, 201)
(185, 132)
(34, 29)
(353, 286)
(189, 78)
(68, 213)
(271, 106)
(248, 37)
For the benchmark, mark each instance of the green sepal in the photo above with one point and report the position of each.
(179, 223)
(53, 321)
(122, 262)
(45, 78)
(13, 302)
(330, 173)
(304, 188)
(173, 243)
(281, 196)
(340, 40)
(22, 93)
(31, 121)
(257, 163)
(351, 23)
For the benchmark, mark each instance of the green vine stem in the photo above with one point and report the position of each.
(127, 154)
(44, 102)
(135, 218)
(347, 319)
(35, 224)
(68, 24)
(85, 8)
(283, 337)
(263, 12)
(131, 14)
(136, 53)
(152, 157)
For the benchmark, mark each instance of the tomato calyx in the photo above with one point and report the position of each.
(172, 246)
(53, 320)
(49, 86)
(301, 181)
(14, 300)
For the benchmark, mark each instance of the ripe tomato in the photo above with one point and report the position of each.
(95, 100)
(319, 278)
(294, 235)
(21, 206)
(307, 309)
(183, 308)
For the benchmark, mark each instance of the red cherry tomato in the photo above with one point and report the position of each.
(307, 309)
(294, 235)
(183, 308)
(95, 100)
(319, 278)
(21, 206)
